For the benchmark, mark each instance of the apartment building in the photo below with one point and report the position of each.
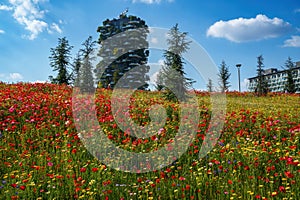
(277, 79)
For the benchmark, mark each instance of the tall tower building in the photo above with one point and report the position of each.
(124, 52)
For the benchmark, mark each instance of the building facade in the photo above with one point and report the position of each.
(124, 52)
(277, 79)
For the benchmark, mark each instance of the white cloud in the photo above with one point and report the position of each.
(293, 42)
(15, 76)
(245, 85)
(156, 67)
(153, 77)
(154, 40)
(2, 31)
(11, 77)
(161, 62)
(39, 81)
(150, 1)
(5, 7)
(28, 14)
(252, 29)
(54, 27)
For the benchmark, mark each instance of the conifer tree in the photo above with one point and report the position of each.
(224, 76)
(60, 61)
(172, 76)
(290, 86)
(262, 85)
(209, 85)
(85, 78)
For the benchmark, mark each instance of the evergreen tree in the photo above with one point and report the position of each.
(60, 61)
(172, 76)
(88, 47)
(159, 82)
(290, 86)
(262, 85)
(209, 85)
(85, 78)
(76, 68)
(224, 76)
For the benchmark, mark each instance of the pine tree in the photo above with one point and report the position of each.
(290, 86)
(209, 85)
(224, 76)
(76, 68)
(159, 82)
(172, 76)
(60, 61)
(262, 85)
(85, 78)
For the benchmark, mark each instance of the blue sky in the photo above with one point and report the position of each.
(235, 31)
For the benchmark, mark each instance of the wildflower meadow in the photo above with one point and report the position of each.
(42, 155)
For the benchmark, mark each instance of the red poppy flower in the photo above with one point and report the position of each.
(22, 187)
(95, 169)
(282, 189)
(288, 174)
(187, 187)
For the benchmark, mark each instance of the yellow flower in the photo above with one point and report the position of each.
(92, 182)
(32, 184)
(90, 193)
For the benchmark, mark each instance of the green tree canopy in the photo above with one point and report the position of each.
(290, 86)
(60, 61)
(171, 77)
(224, 76)
(85, 79)
(262, 85)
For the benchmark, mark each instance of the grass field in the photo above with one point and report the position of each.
(42, 157)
